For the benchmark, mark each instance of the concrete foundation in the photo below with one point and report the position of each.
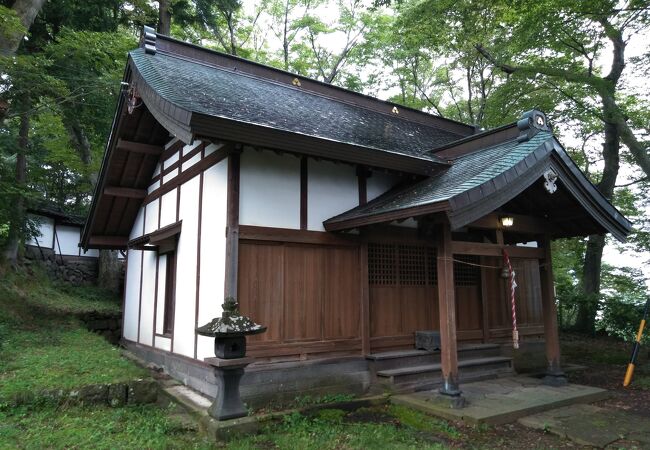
(264, 385)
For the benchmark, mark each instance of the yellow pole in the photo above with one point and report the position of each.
(637, 346)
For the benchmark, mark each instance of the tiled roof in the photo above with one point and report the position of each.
(229, 94)
(465, 173)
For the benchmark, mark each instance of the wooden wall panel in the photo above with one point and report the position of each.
(385, 306)
(305, 294)
(528, 294)
(261, 296)
(304, 278)
(342, 294)
(468, 308)
(419, 309)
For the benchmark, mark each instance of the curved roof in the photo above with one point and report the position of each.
(480, 182)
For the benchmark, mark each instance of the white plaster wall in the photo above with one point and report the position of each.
(171, 160)
(269, 193)
(170, 176)
(190, 162)
(68, 239)
(213, 251)
(331, 190)
(138, 225)
(157, 171)
(211, 148)
(153, 187)
(46, 229)
(186, 258)
(160, 303)
(94, 253)
(168, 208)
(189, 147)
(152, 217)
(147, 299)
(132, 290)
(379, 183)
(132, 295)
(163, 343)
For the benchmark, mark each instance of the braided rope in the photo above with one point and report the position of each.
(513, 286)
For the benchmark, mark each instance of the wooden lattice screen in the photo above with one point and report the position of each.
(467, 272)
(401, 264)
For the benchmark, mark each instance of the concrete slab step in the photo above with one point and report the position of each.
(489, 366)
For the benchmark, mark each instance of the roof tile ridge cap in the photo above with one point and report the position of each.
(473, 137)
(333, 86)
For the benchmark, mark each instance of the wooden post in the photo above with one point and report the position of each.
(447, 307)
(232, 226)
(554, 375)
(365, 299)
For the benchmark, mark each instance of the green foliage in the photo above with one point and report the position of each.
(9, 23)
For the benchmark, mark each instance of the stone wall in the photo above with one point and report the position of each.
(108, 325)
(76, 270)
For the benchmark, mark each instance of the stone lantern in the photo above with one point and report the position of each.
(229, 332)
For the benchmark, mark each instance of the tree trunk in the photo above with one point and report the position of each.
(588, 307)
(110, 269)
(27, 10)
(164, 17)
(17, 223)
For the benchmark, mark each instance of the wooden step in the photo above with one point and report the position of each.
(488, 366)
(405, 358)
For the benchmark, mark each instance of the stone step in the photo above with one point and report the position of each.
(406, 358)
(430, 373)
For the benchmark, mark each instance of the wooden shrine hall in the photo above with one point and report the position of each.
(343, 223)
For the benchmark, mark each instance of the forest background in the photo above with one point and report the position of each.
(483, 62)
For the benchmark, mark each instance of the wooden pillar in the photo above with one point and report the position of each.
(232, 226)
(365, 299)
(554, 374)
(447, 307)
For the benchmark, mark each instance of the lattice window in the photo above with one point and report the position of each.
(412, 268)
(401, 264)
(467, 272)
(432, 267)
(381, 264)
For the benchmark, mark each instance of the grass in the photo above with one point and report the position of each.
(43, 346)
(33, 287)
(368, 428)
(147, 426)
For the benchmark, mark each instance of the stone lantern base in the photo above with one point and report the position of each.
(228, 372)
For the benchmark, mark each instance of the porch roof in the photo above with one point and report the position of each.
(486, 179)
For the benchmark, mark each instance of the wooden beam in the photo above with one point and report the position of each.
(483, 249)
(107, 241)
(522, 223)
(139, 147)
(119, 191)
(232, 226)
(447, 312)
(554, 374)
(255, 233)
